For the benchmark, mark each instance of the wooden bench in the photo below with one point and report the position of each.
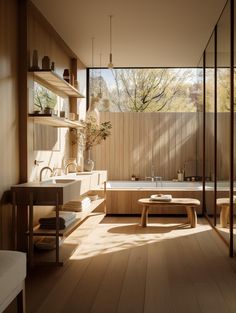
(223, 204)
(188, 203)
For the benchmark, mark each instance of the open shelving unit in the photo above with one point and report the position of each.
(55, 121)
(80, 217)
(56, 83)
(35, 194)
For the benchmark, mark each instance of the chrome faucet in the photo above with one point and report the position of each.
(41, 171)
(153, 172)
(67, 165)
(153, 176)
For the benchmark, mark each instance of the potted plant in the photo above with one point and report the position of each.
(94, 135)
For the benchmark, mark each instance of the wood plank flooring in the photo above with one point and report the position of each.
(119, 267)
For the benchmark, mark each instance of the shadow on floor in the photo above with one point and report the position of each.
(150, 229)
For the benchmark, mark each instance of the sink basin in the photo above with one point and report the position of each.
(62, 189)
(58, 181)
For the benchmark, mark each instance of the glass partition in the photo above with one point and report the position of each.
(234, 150)
(223, 120)
(210, 127)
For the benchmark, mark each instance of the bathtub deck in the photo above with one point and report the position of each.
(121, 267)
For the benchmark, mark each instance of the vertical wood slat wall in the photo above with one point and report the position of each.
(139, 140)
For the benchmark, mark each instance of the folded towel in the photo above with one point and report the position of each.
(160, 197)
(49, 222)
(76, 206)
(62, 225)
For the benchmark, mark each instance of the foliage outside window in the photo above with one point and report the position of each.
(146, 90)
(43, 98)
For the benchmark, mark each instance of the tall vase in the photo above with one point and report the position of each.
(88, 163)
(92, 114)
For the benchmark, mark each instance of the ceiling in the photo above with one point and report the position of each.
(151, 33)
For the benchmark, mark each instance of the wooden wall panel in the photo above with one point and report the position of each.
(9, 161)
(142, 140)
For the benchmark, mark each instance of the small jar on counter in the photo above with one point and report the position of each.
(180, 175)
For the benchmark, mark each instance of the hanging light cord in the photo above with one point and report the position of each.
(110, 39)
(92, 66)
(100, 81)
(110, 65)
(92, 51)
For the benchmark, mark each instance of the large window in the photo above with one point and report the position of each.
(145, 90)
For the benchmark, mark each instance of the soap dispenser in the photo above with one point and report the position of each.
(180, 175)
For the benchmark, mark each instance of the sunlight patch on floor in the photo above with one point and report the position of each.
(114, 237)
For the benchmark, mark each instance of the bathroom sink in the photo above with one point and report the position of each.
(58, 181)
(64, 189)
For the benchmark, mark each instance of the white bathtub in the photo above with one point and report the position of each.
(160, 185)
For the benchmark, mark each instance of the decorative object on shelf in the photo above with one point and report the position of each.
(110, 64)
(88, 162)
(76, 84)
(46, 63)
(71, 116)
(66, 75)
(53, 66)
(36, 112)
(35, 65)
(62, 114)
(47, 110)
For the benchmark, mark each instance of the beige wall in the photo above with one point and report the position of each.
(9, 169)
(42, 38)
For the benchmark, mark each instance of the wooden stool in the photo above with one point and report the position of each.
(223, 204)
(188, 203)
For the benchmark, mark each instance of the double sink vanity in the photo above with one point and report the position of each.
(56, 191)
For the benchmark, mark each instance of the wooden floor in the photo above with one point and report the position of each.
(120, 267)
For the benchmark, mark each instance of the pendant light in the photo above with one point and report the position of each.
(110, 64)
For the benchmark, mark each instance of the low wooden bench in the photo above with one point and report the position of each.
(223, 204)
(188, 203)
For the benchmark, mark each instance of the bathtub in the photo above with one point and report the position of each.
(160, 185)
(122, 196)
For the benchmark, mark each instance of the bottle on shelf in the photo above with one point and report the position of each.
(66, 75)
(35, 65)
(46, 63)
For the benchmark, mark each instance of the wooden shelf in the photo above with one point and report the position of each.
(80, 217)
(55, 121)
(53, 81)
